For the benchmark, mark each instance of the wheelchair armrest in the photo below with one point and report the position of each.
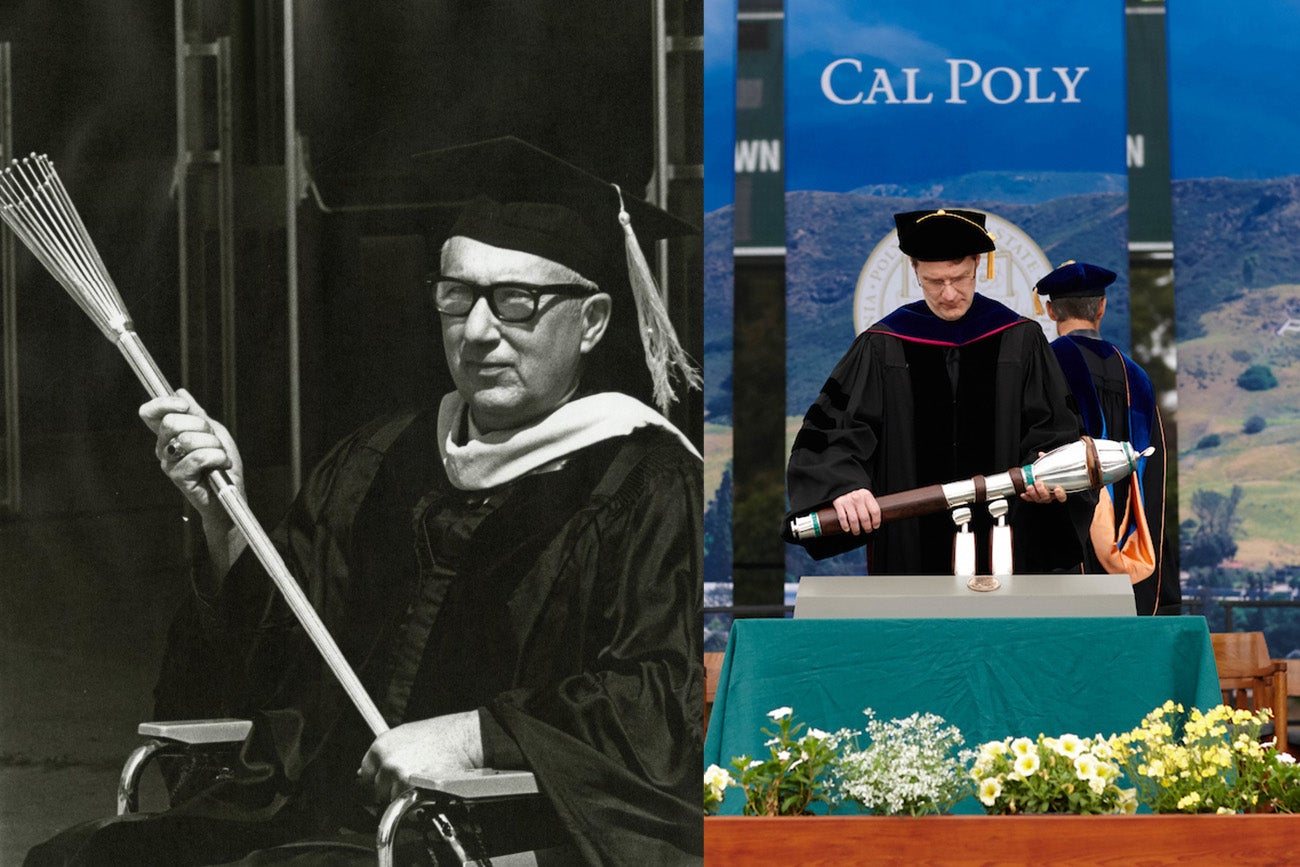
(198, 731)
(479, 783)
(169, 739)
(434, 792)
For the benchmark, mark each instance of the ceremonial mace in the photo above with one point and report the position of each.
(1078, 466)
(34, 203)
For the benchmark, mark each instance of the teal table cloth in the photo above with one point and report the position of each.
(990, 677)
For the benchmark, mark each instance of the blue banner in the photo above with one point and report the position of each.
(906, 104)
(719, 199)
(1236, 188)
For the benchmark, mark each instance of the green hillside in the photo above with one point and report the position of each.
(1244, 332)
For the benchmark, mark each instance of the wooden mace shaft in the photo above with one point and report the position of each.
(916, 502)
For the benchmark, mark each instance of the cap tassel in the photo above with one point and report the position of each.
(988, 273)
(1038, 305)
(663, 353)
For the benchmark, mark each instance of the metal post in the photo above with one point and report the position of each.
(9, 301)
(226, 235)
(661, 162)
(291, 252)
(180, 180)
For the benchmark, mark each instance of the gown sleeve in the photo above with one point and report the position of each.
(836, 447)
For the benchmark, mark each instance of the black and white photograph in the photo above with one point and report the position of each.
(351, 485)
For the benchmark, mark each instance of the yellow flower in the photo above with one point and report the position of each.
(1189, 800)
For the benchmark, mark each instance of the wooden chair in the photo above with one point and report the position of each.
(712, 669)
(1293, 691)
(1250, 679)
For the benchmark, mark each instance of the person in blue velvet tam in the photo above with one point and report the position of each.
(1116, 401)
(945, 388)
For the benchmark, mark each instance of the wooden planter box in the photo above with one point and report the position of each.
(1030, 840)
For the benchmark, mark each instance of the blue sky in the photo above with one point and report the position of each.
(840, 147)
(1234, 109)
(719, 102)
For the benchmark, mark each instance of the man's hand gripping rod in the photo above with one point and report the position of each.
(34, 203)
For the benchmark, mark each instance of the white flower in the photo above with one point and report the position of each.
(1023, 747)
(1286, 758)
(990, 788)
(1025, 765)
(784, 755)
(993, 749)
(817, 734)
(780, 713)
(714, 774)
(1086, 767)
(754, 764)
(1101, 748)
(717, 779)
(1069, 746)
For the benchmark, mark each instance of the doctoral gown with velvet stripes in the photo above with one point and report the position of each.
(917, 400)
(1116, 400)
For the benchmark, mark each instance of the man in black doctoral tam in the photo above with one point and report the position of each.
(514, 573)
(945, 388)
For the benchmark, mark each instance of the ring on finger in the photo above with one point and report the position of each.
(173, 449)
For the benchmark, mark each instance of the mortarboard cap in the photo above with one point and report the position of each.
(1075, 280)
(511, 194)
(942, 235)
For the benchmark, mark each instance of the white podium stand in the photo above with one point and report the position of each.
(901, 596)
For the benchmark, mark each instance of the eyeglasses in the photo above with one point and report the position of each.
(955, 282)
(509, 302)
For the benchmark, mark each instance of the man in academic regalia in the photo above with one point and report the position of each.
(945, 388)
(1115, 401)
(514, 574)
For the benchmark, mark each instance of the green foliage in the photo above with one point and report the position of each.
(1208, 762)
(1213, 539)
(717, 532)
(1253, 425)
(1257, 377)
(1209, 441)
(1066, 774)
(794, 775)
(1240, 356)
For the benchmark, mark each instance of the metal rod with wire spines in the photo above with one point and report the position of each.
(35, 204)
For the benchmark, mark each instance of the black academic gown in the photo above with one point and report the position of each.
(1116, 401)
(564, 606)
(916, 401)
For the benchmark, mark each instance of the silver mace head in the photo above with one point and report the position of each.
(1085, 464)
